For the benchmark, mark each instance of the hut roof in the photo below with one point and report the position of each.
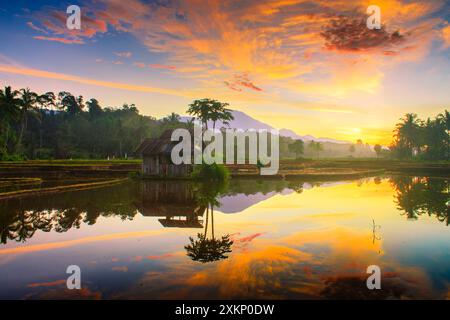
(158, 146)
(168, 223)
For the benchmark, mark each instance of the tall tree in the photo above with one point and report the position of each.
(94, 107)
(9, 112)
(71, 104)
(297, 148)
(28, 106)
(210, 110)
(315, 147)
(377, 148)
(407, 133)
(171, 119)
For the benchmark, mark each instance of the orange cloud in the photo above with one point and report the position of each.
(273, 40)
(60, 76)
(446, 36)
(162, 256)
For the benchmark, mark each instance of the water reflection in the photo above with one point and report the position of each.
(416, 196)
(21, 218)
(204, 249)
(248, 239)
(182, 204)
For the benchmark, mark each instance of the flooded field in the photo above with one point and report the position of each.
(248, 239)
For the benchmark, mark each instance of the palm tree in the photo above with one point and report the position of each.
(9, 104)
(47, 100)
(72, 104)
(28, 100)
(172, 118)
(210, 110)
(220, 112)
(201, 109)
(9, 112)
(204, 249)
(407, 132)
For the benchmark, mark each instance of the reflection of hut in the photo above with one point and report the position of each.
(156, 154)
(173, 201)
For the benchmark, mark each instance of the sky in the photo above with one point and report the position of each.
(310, 66)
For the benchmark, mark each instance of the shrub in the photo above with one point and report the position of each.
(211, 172)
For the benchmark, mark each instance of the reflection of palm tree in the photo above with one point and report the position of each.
(204, 249)
(24, 228)
(418, 196)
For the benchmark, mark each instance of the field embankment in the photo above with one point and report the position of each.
(60, 169)
(59, 189)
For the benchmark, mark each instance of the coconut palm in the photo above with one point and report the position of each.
(28, 106)
(9, 112)
(408, 132)
(172, 118)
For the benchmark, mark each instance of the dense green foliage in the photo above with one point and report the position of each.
(211, 172)
(425, 140)
(47, 126)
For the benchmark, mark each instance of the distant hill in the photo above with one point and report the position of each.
(245, 122)
(332, 148)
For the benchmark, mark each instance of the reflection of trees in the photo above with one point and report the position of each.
(417, 196)
(21, 218)
(204, 249)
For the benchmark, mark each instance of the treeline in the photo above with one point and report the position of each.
(64, 126)
(422, 139)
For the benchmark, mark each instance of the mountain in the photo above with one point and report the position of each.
(245, 122)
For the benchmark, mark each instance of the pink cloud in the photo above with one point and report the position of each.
(32, 26)
(139, 64)
(60, 40)
(161, 66)
(241, 81)
(125, 54)
(53, 22)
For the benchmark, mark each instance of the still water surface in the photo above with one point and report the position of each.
(250, 239)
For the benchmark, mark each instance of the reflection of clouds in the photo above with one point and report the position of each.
(57, 290)
(310, 264)
(66, 294)
(120, 269)
(47, 284)
(69, 243)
